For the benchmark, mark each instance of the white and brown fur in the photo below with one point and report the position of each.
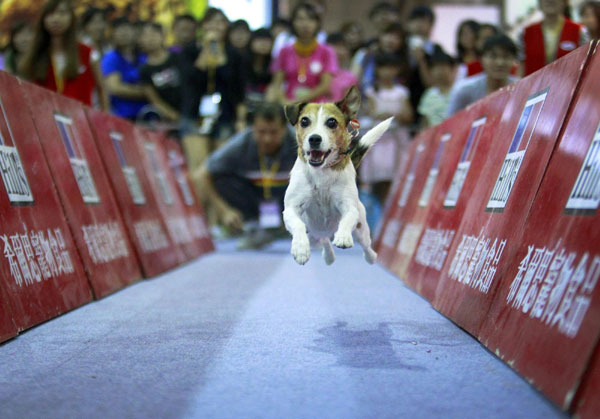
(321, 201)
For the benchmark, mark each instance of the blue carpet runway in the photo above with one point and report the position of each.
(253, 335)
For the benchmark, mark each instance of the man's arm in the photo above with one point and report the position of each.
(229, 216)
(116, 87)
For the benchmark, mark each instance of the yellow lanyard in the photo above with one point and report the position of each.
(268, 176)
(211, 80)
(304, 52)
(58, 78)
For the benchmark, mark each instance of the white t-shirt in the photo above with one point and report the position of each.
(381, 163)
(388, 100)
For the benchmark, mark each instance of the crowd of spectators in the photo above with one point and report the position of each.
(205, 78)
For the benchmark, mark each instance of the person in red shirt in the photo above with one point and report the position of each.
(57, 61)
(550, 39)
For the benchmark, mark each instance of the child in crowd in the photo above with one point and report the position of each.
(391, 40)
(434, 102)
(280, 26)
(93, 32)
(385, 98)
(344, 78)
(19, 42)
(259, 75)
(238, 37)
(486, 30)
(161, 75)
(353, 36)
(498, 57)
(466, 47)
(381, 16)
(421, 48)
(184, 32)
(120, 68)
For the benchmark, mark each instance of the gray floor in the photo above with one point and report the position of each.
(243, 335)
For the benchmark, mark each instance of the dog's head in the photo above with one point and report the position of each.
(321, 128)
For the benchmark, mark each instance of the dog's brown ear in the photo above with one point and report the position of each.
(350, 104)
(292, 112)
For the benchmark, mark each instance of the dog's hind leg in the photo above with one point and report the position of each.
(327, 251)
(362, 235)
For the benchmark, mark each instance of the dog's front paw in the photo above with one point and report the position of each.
(301, 249)
(343, 240)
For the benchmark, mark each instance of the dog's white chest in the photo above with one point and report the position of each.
(320, 213)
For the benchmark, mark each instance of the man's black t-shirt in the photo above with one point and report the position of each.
(167, 80)
(239, 158)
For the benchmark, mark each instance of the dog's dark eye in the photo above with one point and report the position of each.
(304, 122)
(331, 123)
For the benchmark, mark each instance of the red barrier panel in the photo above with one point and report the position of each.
(84, 189)
(41, 275)
(116, 140)
(492, 224)
(7, 326)
(545, 320)
(194, 213)
(404, 158)
(387, 230)
(385, 245)
(164, 187)
(448, 144)
(410, 198)
(587, 405)
(474, 131)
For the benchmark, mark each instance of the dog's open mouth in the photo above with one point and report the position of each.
(317, 157)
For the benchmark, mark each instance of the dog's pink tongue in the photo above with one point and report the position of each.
(316, 154)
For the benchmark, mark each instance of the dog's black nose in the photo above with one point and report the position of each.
(314, 141)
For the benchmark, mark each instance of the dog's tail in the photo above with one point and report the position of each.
(367, 140)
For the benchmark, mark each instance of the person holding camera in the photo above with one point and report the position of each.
(213, 107)
(214, 87)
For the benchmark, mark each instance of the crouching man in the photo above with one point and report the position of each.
(244, 181)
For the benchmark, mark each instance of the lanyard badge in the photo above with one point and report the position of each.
(269, 209)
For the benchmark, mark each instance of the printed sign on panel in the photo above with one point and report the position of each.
(516, 151)
(79, 164)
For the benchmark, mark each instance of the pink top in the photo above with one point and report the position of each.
(341, 82)
(322, 60)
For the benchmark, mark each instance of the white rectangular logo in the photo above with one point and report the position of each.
(131, 177)
(80, 167)
(177, 163)
(433, 172)
(159, 174)
(516, 151)
(410, 177)
(586, 191)
(460, 174)
(11, 167)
